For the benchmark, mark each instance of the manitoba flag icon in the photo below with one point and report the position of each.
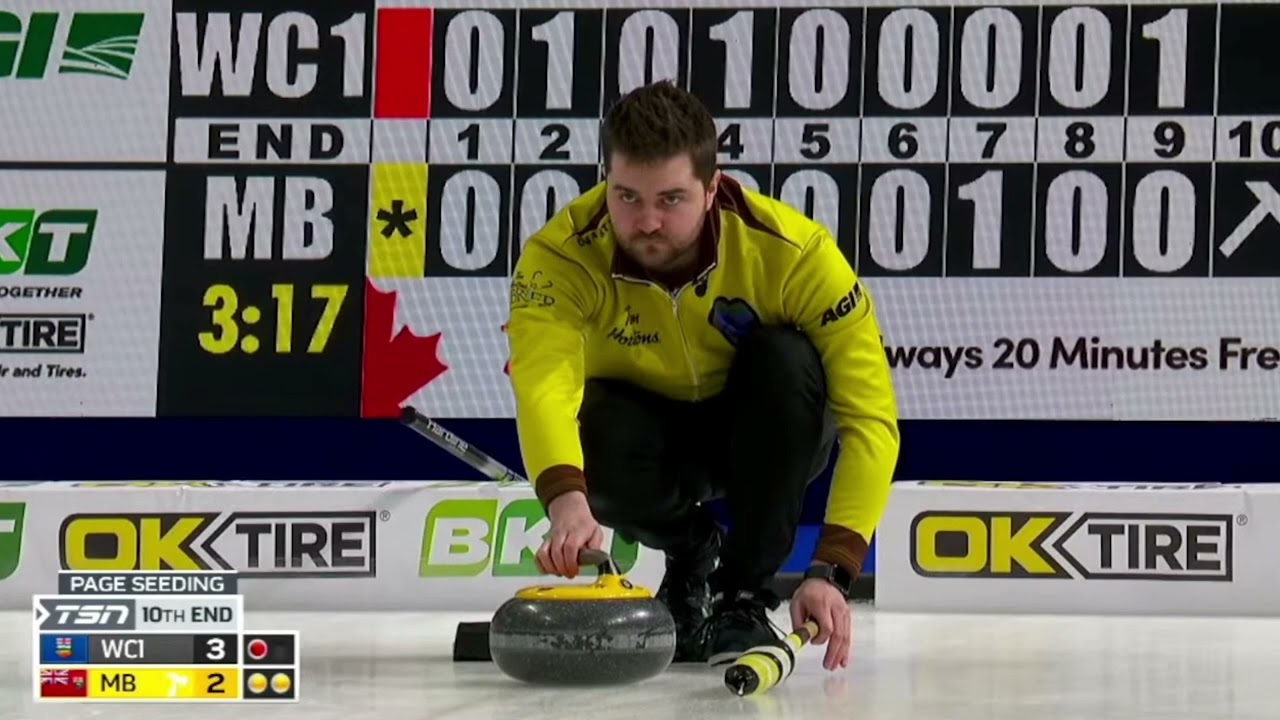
(64, 683)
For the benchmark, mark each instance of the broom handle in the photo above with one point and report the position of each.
(460, 448)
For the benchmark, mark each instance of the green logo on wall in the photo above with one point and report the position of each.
(11, 517)
(98, 43)
(466, 537)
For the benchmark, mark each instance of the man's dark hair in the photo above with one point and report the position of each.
(660, 121)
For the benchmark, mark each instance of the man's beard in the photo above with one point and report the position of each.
(669, 259)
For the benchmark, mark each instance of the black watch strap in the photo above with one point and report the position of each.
(834, 574)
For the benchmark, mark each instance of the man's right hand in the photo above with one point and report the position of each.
(573, 528)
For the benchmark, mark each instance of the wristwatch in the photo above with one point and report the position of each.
(833, 574)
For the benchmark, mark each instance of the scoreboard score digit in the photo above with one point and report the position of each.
(156, 637)
(940, 140)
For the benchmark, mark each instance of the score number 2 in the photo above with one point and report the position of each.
(227, 318)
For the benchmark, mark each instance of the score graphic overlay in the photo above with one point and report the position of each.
(1064, 210)
(156, 637)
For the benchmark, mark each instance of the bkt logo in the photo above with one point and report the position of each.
(53, 242)
(61, 614)
(89, 43)
(1087, 546)
(465, 537)
(254, 544)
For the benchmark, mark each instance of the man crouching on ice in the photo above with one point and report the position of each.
(676, 337)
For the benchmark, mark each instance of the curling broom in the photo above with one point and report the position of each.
(460, 448)
(471, 641)
(763, 667)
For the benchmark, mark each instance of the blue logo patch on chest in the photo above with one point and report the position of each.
(734, 318)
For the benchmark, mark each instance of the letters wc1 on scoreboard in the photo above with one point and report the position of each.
(162, 637)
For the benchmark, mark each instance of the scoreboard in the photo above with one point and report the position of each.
(167, 637)
(1065, 209)
(1012, 140)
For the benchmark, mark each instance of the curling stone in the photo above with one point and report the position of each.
(610, 632)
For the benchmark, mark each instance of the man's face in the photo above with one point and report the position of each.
(657, 209)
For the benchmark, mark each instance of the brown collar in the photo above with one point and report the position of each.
(708, 245)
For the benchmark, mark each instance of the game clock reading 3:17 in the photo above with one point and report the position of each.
(934, 141)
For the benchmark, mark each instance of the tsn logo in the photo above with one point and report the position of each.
(91, 614)
(59, 614)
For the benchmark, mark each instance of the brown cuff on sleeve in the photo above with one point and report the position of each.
(841, 546)
(558, 480)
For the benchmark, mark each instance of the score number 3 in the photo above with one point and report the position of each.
(227, 316)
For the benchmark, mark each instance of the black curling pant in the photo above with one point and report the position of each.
(650, 461)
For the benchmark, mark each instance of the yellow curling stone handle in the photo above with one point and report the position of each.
(609, 585)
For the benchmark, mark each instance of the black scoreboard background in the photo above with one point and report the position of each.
(267, 216)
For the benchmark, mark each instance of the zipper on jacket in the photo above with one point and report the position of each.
(688, 352)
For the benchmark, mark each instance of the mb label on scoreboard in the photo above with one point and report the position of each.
(156, 637)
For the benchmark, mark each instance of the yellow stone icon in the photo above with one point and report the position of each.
(257, 683)
(281, 682)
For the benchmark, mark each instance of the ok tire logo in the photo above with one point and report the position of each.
(1084, 546)
(11, 521)
(252, 544)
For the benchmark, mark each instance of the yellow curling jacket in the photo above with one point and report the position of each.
(580, 310)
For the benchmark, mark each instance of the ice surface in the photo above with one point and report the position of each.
(917, 667)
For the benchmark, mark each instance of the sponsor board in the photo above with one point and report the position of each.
(254, 544)
(80, 267)
(1064, 545)
(296, 546)
(1071, 549)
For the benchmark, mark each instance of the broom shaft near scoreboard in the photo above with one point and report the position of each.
(460, 448)
(471, 640)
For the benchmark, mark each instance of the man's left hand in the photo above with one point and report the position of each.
(820, 601)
